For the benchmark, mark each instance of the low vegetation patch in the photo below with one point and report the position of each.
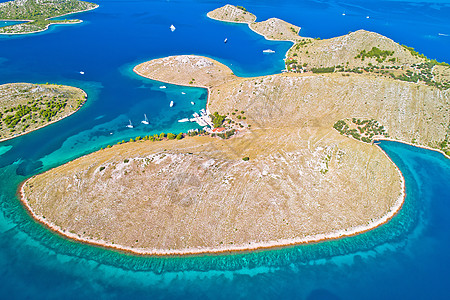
(323, 70)
(217, 119)
(24, 107)
(39, 13)
(375, 52)
(361, 130)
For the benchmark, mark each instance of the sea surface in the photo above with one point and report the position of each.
(7, 23)
(408, 258)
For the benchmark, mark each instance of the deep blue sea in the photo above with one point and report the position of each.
(408, 258)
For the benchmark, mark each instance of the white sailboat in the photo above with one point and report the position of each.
(172, 28)
(192, 103)
(130, 125)
(225, 40)
(171, 103)
(145, 121)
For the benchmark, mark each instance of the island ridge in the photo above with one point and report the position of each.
(293, 173)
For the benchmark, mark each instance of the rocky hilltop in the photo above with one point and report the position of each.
(231, 13)
(276, 29)
(365, 52)
(272, 29)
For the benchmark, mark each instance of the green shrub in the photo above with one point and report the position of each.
(217, 119)
(323, 70)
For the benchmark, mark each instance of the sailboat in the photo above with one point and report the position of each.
(145, 121)
(171, 103)
(172, 28)
(225, 40)
(130, 125)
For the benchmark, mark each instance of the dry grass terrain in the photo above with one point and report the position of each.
(186, 70)
(276, 29)
(25, 107)
(366, 52)
(231, 13)
(303, 180)
(343, 49)
(198, 193)
(410, 112)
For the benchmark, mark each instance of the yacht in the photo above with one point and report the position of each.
(268, 51)
(172, 28)
(145, 121)
(171, 103)
(225, 41)
(192, 103)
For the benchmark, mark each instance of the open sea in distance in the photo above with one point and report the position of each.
(408, 258)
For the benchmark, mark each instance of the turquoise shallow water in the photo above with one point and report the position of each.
(8, 23)
(406, 258)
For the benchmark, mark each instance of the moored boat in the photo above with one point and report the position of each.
(145, 121)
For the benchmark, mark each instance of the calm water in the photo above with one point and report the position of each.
(7, 23)
(406, 258)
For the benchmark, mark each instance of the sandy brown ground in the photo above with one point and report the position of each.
(199, 195)
(276, 29)
(230, 13)
(304, 181)
(343, 49)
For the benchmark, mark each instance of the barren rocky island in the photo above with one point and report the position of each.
(301, 163)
